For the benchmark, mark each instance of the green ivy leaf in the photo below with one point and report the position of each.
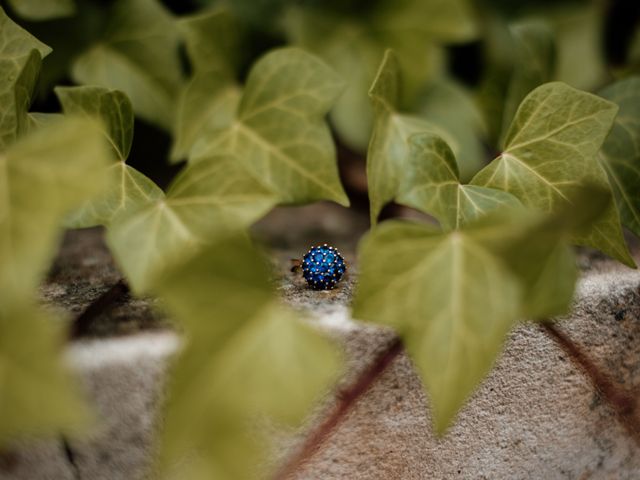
(279, 134)
(453, 109)
(520, 57)
(20, 57)
(209, 101)
(551, 150)
(454, 327)
(37, 10)
(432, 185)
(37, 397)
(620, 154)
(354, 45)
(128, 188)
(246, 356)
(139, 56)
(63, 178)
(205, 200)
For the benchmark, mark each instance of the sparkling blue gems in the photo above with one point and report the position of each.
(323, 267)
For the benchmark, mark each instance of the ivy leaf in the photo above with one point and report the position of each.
(209, 100)
(128, 188)
(63, 178)
(20, 57)
(246, 355)
(453, 109)
(139, 56)
(551, 150)
(432, 185)
(521, 57)
(37, 10)
(37, 396)
(353, 45)
(279, 134)
(620, 154)
(454, 327)
(205, 200)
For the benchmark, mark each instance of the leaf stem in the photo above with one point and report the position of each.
(623, 403)
(103, 304)
(346, 401)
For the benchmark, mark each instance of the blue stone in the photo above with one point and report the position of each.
(323, 267)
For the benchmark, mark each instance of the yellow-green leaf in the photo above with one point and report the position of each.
(246, 356)
(43, 9)
(139, 56)
(432, 185)
(448, 296)
(354, 45)
(620, 154)
(20, 56)
(205, 200)
(128, 189)
(37, 397)
(279, 134)
(551, 151)
(42, 177)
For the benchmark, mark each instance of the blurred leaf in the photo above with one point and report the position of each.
(620, 154)
(20, 55)
(581, 62)
(63, 178)
(551, 150)
(453, 328)
(205, 200)
(36, 394)
(452, 108)
(279, 134)
(520, 57)
(209, 101)
(128, 188)
(246, 356)
(432, 185)
(139, 56)
(37, 120)
(213, 41)
(43, 9)
(535, 58)
(354, 44)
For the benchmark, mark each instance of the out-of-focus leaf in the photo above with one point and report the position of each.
(43, 9)
(432, 184)
(453, 328)
(354, 45)
(209, 100)
(37, 120)
(452, 108)
(520, 57)
(139, 56)
(620, 154)
(551, 150)
(581, 62)
(37, 397)
(535, 58)
(246, 356)
(205, 200)
(128, 188)
(65, 164)
(279, 134)
(20, 56)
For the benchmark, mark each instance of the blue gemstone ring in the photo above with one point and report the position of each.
(323, 267)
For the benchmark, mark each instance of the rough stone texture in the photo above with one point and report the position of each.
(536, 416)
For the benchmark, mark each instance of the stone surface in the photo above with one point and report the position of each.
(536, 416)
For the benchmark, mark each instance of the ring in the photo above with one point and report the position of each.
(323, 267)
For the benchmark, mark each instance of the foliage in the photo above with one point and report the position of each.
(255, 125)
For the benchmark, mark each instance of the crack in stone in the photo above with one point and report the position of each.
(71, 458)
